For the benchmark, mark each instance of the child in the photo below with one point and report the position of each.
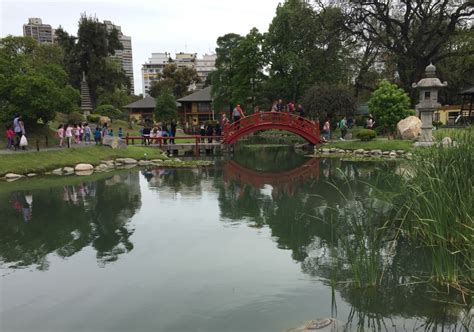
(69, 132)
(120, 133)
(10, 134)
(77, 133)
(97, 135)
(87, 133)
(60, 132)
(111, 132)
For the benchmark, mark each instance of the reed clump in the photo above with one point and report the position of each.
(437, 209)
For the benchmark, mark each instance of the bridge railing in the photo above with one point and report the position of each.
(271, 118)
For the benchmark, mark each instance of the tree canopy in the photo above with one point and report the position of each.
(90, 52)
(174, 79)
(165, 109)
(33, 82)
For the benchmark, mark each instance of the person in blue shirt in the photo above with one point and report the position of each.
(97, 135)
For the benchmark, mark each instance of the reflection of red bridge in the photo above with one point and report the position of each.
(272, 120)
(285, 181)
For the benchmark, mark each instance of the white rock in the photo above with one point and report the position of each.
(446, 142)
(325, 150)
(377, 152)
(145, 163)
(409, 128)
(114, 142)
(83, 167)
(393, 154)
(57, 171)
(12, 176)
(30, 175)
(126, 161)
(359, 151)
(68, 170)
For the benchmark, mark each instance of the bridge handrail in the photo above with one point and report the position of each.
(271, 118)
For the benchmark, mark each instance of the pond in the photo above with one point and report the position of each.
(263, 241)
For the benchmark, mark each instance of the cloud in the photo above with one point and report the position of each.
(155, 26)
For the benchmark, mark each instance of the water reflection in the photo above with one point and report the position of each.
(335, 221)
(66, 219)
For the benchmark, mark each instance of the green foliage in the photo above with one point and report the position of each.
(389, 104)
(437, 208)
(110, 111)
(75, 118)
(90, 53)
(119, 97)
(174, 79)
(239, 75)
(327, 100)
(165, 109)
(33, 82)
(304, 46)
(366, 134)
(93, 118)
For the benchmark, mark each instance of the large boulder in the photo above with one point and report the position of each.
(114, 142)
(103, 120)
(409, 128)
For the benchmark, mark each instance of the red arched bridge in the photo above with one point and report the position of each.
(305, 128)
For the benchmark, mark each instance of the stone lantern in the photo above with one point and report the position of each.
(428, 104)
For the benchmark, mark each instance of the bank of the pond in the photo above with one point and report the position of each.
(42, 162)
(377, 144)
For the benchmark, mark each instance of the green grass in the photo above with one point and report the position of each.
(34, 162)
(377, 144)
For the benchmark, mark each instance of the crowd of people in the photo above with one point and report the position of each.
(69, 134)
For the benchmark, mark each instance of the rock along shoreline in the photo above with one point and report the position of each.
(85, 169)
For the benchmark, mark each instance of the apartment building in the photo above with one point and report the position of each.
(125, 56)
(35, 28)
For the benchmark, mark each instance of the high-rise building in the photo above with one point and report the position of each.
(124, 56)
(155, 65)
(205, 66)
(35, 28)
(152, 68)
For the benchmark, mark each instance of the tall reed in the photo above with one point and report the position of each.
(438, 209)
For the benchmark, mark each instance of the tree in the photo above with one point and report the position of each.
(239, 75)
(413, 32)
(178, 80)
(32, 81)
(165, 109)
(323, 101)
(305, 46)
(90, 53)
(388, 105)
(110, 111)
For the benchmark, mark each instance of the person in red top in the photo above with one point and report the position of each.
(10, 135)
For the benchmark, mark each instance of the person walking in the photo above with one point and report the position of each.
(173, 127)
(69, 134)
(327, 130)
(209, 132)
(10, 136)
(343, 127)
(301, 111)
(87, 133)
(60, 132)
(237, 113)
(120, 133)
(280, 106)
(17, 130)
(97, 135)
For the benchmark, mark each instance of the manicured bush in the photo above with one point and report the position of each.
(366, 134)
(110, 111)
(93, 118)
(75, 117)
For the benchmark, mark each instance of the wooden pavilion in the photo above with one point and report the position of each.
(467, 107)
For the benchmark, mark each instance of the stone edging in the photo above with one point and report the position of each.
(84, 169)
(366, 153)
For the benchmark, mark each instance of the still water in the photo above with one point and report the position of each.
(252, 244)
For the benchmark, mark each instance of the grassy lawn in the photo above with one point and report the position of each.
(377, 144)
(23, 163)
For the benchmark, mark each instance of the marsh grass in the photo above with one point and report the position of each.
(437, 209)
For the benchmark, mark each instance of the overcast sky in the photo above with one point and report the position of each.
(154, 25)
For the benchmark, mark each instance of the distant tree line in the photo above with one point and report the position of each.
(330, 55)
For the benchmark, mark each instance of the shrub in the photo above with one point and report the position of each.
(75, 117)
(366, 134)
(93, 118)
(110, 111)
